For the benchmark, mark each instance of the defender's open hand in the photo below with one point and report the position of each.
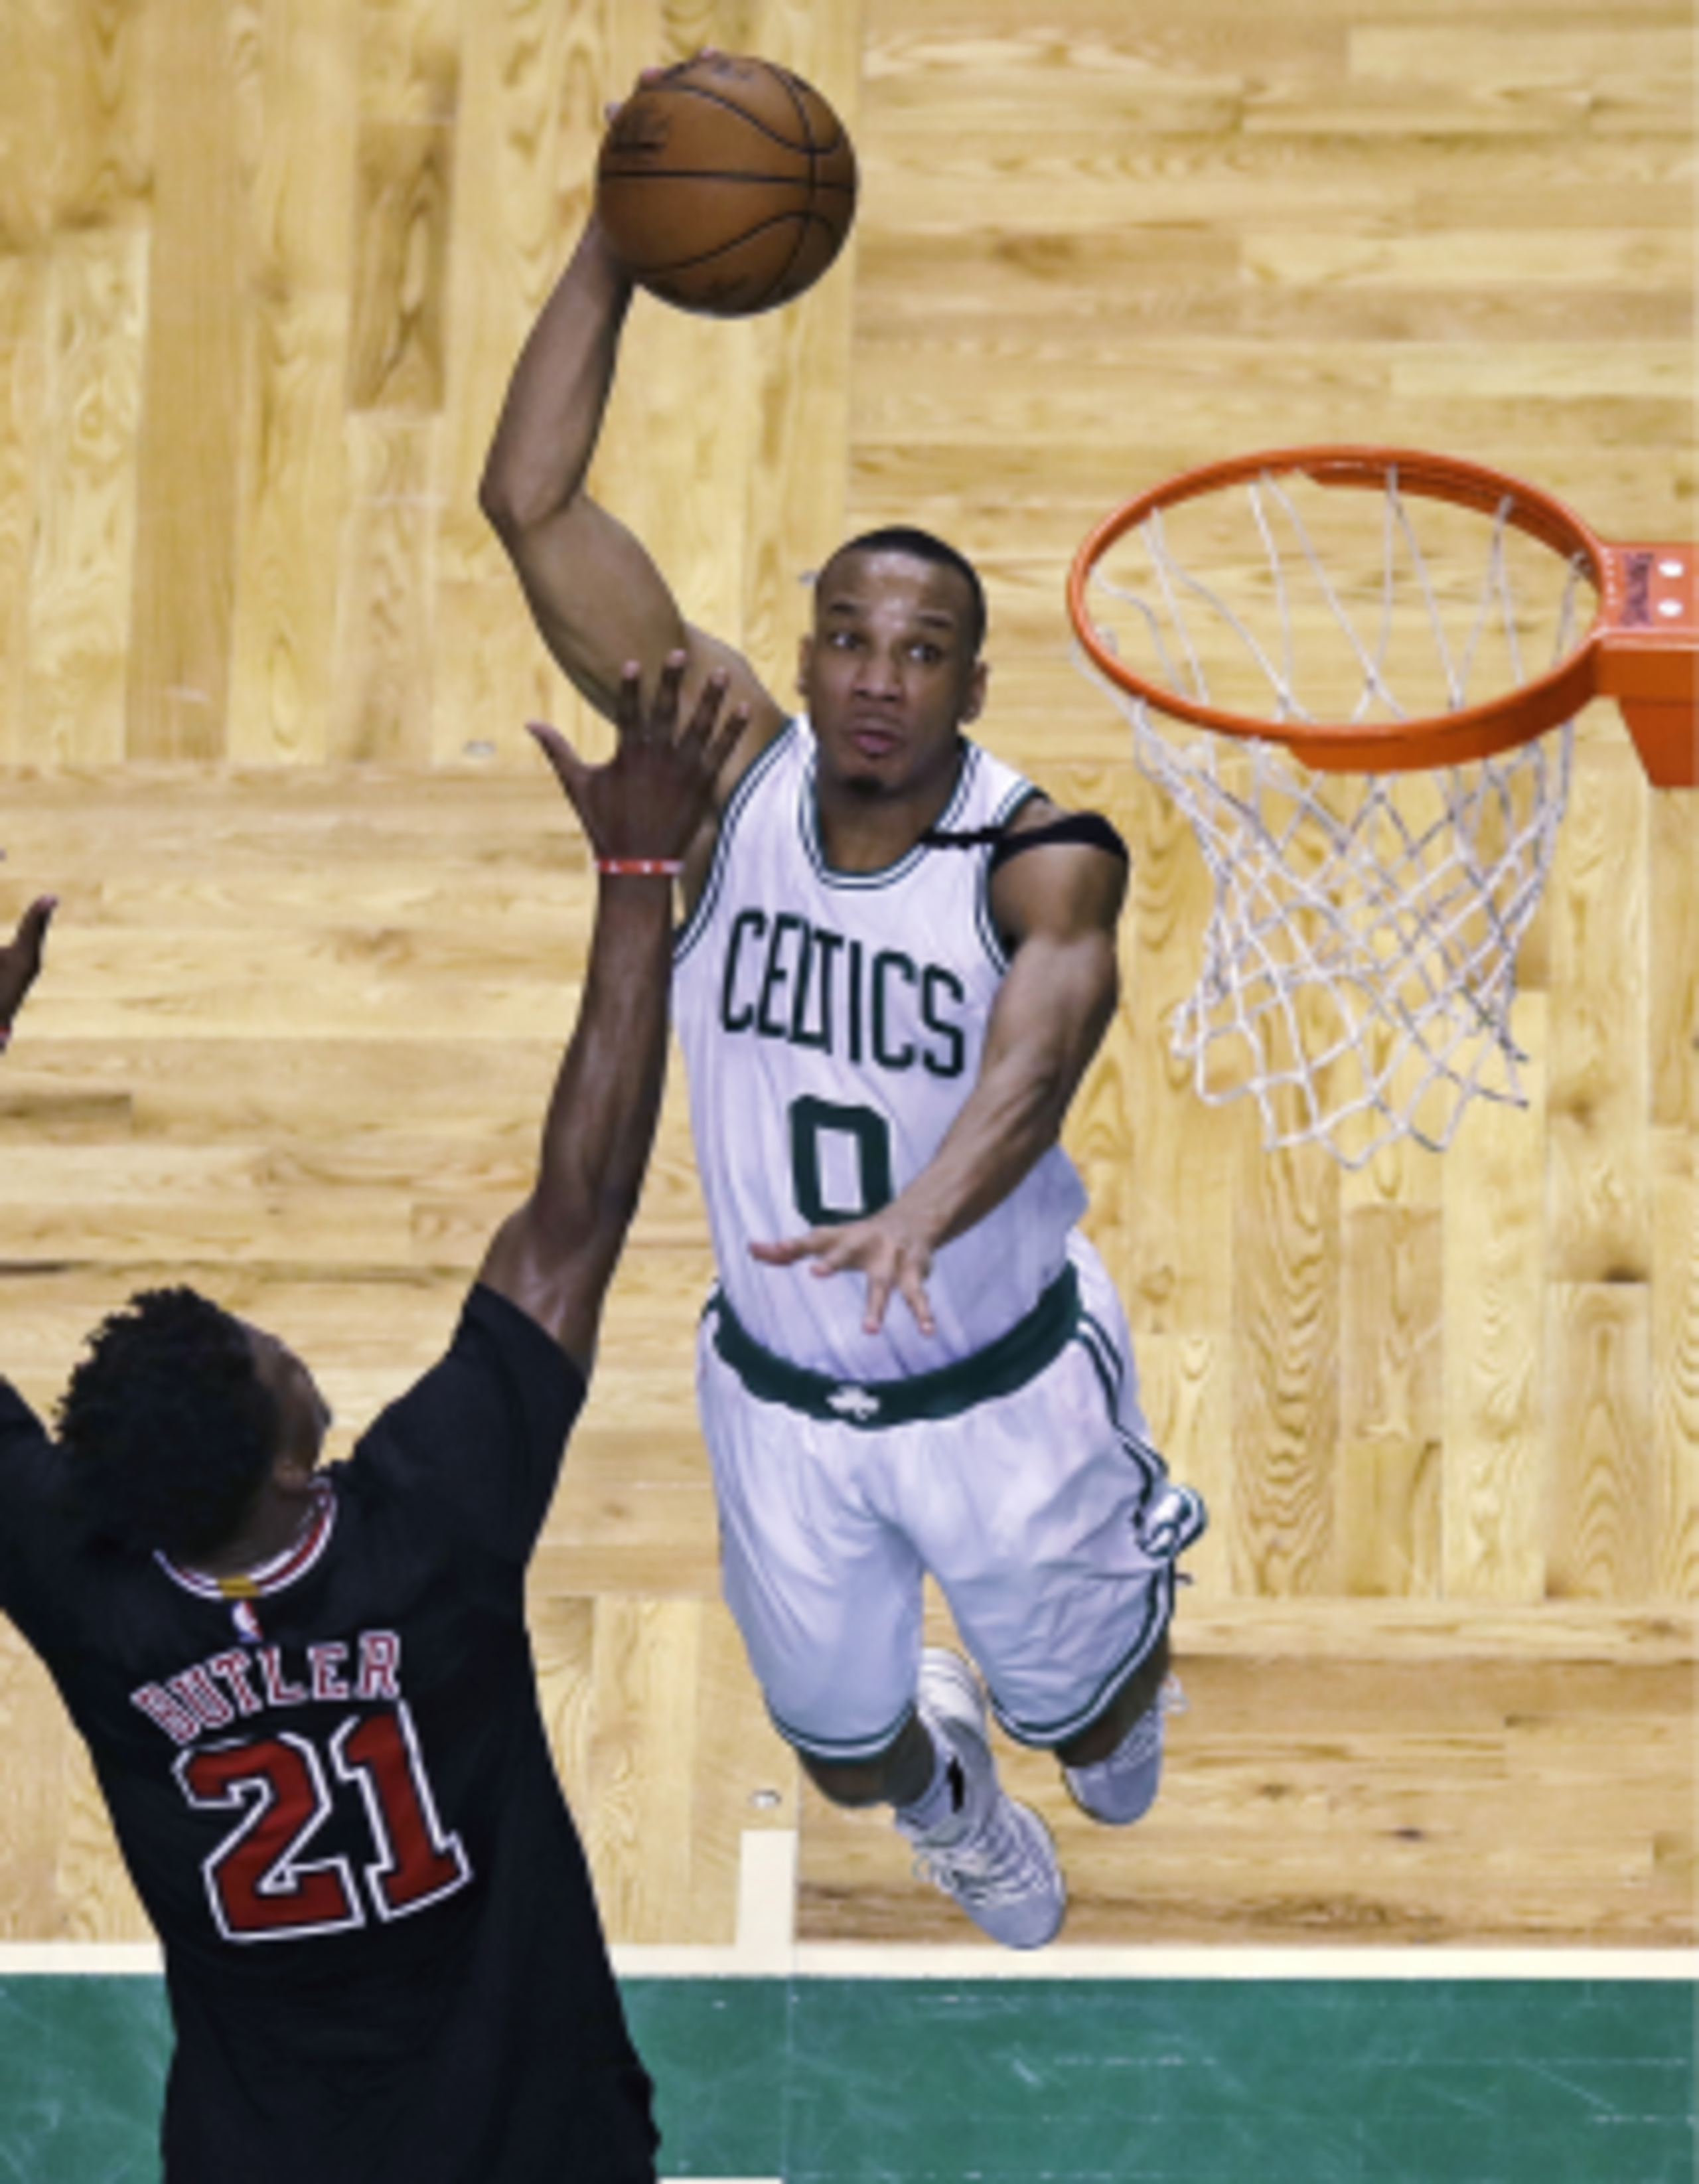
(648, 801)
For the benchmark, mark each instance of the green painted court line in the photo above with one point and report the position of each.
(820, 2080)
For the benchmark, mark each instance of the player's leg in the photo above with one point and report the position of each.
(826, 1592)
(1055, 1542)
(902, 1773)
(827, 1597)
(970, 1838)
(1138, 1698)
(1113, 1768)
(1040, 1636)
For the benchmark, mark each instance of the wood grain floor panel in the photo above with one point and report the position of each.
(263, 273)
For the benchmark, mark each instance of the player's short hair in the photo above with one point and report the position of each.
(909, 539)
(166, 1427)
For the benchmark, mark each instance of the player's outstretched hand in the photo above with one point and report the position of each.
(20, 961)
(885, 1248)
(647, 802)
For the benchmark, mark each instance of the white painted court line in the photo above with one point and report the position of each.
(766, 1948)
(767, 1898)
(93, 1960)
(1147, 1967)
(868, 1961)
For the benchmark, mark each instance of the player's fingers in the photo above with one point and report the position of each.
(727, 735)
(706, 710)
(20, 960)
(32, 928)
(569, 767)
(628, 701)
(660, 721)
(785, 1252)
(655, 72)
(913, 1287)
(879, 1297)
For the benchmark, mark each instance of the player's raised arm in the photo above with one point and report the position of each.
(597, 595)
(555, 1256)
(20, 962)
(1059, 903)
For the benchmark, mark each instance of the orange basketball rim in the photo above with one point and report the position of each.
(1640, 650)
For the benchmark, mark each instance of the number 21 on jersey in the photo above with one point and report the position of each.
(261, 1883)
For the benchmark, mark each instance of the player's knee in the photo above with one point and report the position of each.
(1122, 1788)
(848, 1783)
(892, 1777)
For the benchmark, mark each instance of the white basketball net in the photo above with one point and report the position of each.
(1359, 963)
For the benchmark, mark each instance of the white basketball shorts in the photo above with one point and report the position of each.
(1023, 1480)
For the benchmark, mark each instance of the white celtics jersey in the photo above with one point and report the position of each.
(831, 1025)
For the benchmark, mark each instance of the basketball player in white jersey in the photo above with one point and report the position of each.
(896, 961)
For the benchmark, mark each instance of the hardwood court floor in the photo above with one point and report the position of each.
(263, 273)
(293, 1045)
(1364, 1773)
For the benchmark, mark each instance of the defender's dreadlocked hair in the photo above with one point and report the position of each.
(923, 546)
(166, 1427)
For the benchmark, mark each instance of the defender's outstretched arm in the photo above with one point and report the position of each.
(555, 1256)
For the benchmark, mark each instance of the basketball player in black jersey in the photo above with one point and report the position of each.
(309, 1692)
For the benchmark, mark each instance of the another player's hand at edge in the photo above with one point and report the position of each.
(648, 801)
(20, 961)
(892, 1257)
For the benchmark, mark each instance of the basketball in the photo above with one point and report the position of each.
(726, 185)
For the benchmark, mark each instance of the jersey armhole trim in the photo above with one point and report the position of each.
(696, 924)
(1020, 794)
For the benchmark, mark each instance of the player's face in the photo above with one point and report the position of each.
(304, 1416)
(889, 673)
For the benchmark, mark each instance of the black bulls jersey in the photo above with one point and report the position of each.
(335, 1796)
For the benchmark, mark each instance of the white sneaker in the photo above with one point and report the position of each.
(993, 1856)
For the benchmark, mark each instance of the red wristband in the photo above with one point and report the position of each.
(641, 867)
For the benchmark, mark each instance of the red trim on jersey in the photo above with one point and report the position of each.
(271, 1577)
